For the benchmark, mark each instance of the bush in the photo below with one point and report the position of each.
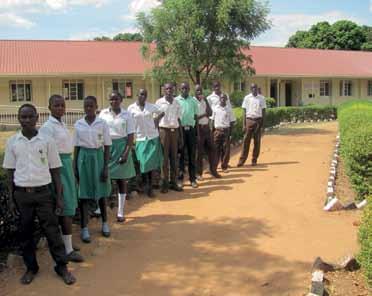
(236, 98)
(270, 102)
(355, 120)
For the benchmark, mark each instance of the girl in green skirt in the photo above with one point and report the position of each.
(121, 165)
(56, 129)
(148, 148)
(91, 159)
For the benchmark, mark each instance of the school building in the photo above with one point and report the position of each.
(32, 70)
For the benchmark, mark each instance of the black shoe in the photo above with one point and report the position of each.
(254, 162)
(175, 187)
(164, 188)
(75, 257)
(240, 164)
(66, 276)
(216, 175)
(76, 248)
(28, 277)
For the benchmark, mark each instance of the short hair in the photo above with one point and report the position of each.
(27, 105)
(116, 93)
(93, 98)
(215, 83)
(54, 97)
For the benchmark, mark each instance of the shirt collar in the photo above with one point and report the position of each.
(38, 136)
(52, 119)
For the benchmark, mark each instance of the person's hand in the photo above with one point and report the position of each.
(104, 174)
(123, 158)
(76, 173)
(59, 206)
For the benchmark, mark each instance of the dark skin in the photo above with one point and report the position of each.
(141, 101)
(217, 88)
(28, 118)
(223, 103)
(57, 109)
(90, 108)
(255, 92)
(185, 91)
(115, 106)
(199, 95)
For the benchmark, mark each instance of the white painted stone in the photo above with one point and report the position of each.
(362, 204)
(333, 205)
(330, 184)
(317, 276)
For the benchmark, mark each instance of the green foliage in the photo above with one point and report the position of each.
(356, 144)
(237, 97)
(365, 239)
(275, 116)
(270, 102)
(201, 38)
(121, 37)
(343, 34)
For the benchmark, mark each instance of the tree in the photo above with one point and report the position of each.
(341, 35)
(121, 37)
(201, 38)
(102, 38)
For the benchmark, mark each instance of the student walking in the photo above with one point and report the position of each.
(189, 119)
(254, 106)
(223, 122)
(170, 135)
(56, 129)
(33, 163)
(205, 141)
(148, 148)
(91, 159)
(121, 166)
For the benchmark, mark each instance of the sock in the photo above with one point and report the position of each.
(67, 240)
(121, 204)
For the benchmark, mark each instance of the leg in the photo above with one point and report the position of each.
(66, 225)
(257, 143)
(226, 150)
(165, 142)
(217, 144)
(173, 147)
(27, 213)
(84, 219)
(190, 143)
(123, 189)
(103, 207)
(211, 151)
(181, 168)
(246, 142)
(200, 154)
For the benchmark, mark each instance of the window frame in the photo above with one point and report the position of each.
(324, 90)
(369, 88)
(75, 82)
(17, 83)
(346, 88)
(126, 83)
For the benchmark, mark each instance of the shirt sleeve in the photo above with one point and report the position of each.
(75, 137)
(244, 104)
(46, 130)
(155, 109)
(130, 124)
(9, 156)
(53, 157)
(106, 135)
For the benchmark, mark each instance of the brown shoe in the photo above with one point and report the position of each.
(240, 164)
(75, 256)
(120, 219)
(28, 277)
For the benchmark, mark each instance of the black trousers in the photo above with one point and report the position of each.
(40, 204)
(189, 146)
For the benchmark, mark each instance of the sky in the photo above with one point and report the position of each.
(86, 19)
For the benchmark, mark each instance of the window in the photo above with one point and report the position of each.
(125, 88)
(239, 85)
(325, 88)
(346, 88)
(73, 89)
(20, 90)
(369, 88)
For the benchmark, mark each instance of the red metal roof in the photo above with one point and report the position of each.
(35, 57)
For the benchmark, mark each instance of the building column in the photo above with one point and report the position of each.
(153, 89)
(278, 92)
(103, 93)
(268, 87)
(49, 92)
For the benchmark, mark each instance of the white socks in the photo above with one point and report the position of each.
(67, 240)
(121, 204)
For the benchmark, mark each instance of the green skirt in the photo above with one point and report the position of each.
(69, 192)
(120, 171)
(90, 165)
(149, 154)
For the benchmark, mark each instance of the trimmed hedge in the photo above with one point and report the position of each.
(275, 116)
(355, 120)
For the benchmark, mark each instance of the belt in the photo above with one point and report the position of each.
(222, 129)
(31, 189)
(187, 127)
(255, 119)
(169, 129)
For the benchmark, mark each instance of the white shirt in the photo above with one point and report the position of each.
(144, 121)
(58, 131)
(202, 110)
(172, 113)
(31, 159)
(222, 116)
(92, 136)
(214, 100)
(253, 105)
(121, 125)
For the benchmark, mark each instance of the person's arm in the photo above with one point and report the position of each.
(75, 166)
(56, 179)
(244, 120)
(124, 157)
(11, 203)
(106, 159)
(158, 118)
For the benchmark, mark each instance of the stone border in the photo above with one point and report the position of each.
(332, 203)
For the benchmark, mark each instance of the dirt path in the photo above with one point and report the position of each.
(254, 232)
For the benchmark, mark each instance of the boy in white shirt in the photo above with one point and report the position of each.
(254, 106)
(223, 122)
(32, 162)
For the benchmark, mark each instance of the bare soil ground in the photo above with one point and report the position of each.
(254, 232)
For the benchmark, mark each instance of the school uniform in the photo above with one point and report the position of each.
(32, 160)
(58, 131)
(253, 106)
(148, 148)
(214, 100)
(190, 109)
(205, 141)
(169, 135)
(222, 119)
(121, 125)
(91, 140)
